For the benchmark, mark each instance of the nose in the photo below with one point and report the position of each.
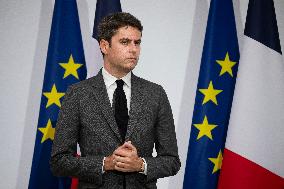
(134, 48)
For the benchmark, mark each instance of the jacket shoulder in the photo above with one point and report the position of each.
(148, 84)
(83, 84)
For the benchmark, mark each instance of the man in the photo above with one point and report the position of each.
(116, 118)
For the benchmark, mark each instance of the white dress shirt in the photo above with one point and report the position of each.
(110, 87)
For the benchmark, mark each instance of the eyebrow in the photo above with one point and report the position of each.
(127, 39)
(139, 40)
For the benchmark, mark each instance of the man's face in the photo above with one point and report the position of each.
(121, 56)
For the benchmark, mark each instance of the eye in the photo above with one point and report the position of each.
(137, 43)
(124, 42)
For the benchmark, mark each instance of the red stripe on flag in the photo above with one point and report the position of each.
(238, 172)
(74, 183)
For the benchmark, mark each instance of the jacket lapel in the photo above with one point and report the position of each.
(101, 95)
(136, 105)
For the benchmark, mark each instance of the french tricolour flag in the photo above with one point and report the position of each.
(254, 154)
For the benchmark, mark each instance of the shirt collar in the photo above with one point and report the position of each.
(110, 79)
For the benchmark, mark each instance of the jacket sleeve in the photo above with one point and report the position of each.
(167, 162)
(63, 159)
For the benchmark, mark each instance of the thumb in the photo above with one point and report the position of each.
(129, 145)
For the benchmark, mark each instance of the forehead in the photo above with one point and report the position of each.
(128, 32)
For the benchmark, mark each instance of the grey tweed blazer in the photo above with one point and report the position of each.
(86, 118)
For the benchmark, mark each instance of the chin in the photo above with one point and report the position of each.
(130, 67)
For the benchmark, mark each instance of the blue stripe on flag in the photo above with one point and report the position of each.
(263, 27)
(104, 8)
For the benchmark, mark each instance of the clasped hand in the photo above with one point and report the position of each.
(124, 159)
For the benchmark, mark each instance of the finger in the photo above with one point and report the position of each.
(118, 151)
(121, 165)
(122, 152)
(120, 169)
(120, 147)
(131, 149)
(121, 159)
(114, 160)
(124, 167)
(129, 145)
(123, 145)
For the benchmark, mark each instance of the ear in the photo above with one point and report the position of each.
(104, 46)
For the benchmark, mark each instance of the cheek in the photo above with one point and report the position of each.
(119, 52)
(116, 54)
(138, 52)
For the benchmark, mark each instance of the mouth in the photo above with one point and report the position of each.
(132, 58)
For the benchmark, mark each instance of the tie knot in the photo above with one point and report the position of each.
(119, 83)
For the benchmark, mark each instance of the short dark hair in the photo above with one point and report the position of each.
(111, 23)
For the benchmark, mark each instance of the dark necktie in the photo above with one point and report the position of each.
(121, 112)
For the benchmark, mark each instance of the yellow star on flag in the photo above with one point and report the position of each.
(70, 68)
(217, 162)
(53, 97)
(205, 129)
(210, 94)
(226, 65)
(47, 131)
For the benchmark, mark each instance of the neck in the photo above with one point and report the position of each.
(114, 72)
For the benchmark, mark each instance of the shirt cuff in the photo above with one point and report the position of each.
(145, 167)
(103, 171)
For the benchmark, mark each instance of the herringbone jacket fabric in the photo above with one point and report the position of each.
(87, 118)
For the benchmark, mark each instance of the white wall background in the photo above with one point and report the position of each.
(171, 51)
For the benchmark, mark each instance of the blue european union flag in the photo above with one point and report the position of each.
(65, 65)
(215, 88)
